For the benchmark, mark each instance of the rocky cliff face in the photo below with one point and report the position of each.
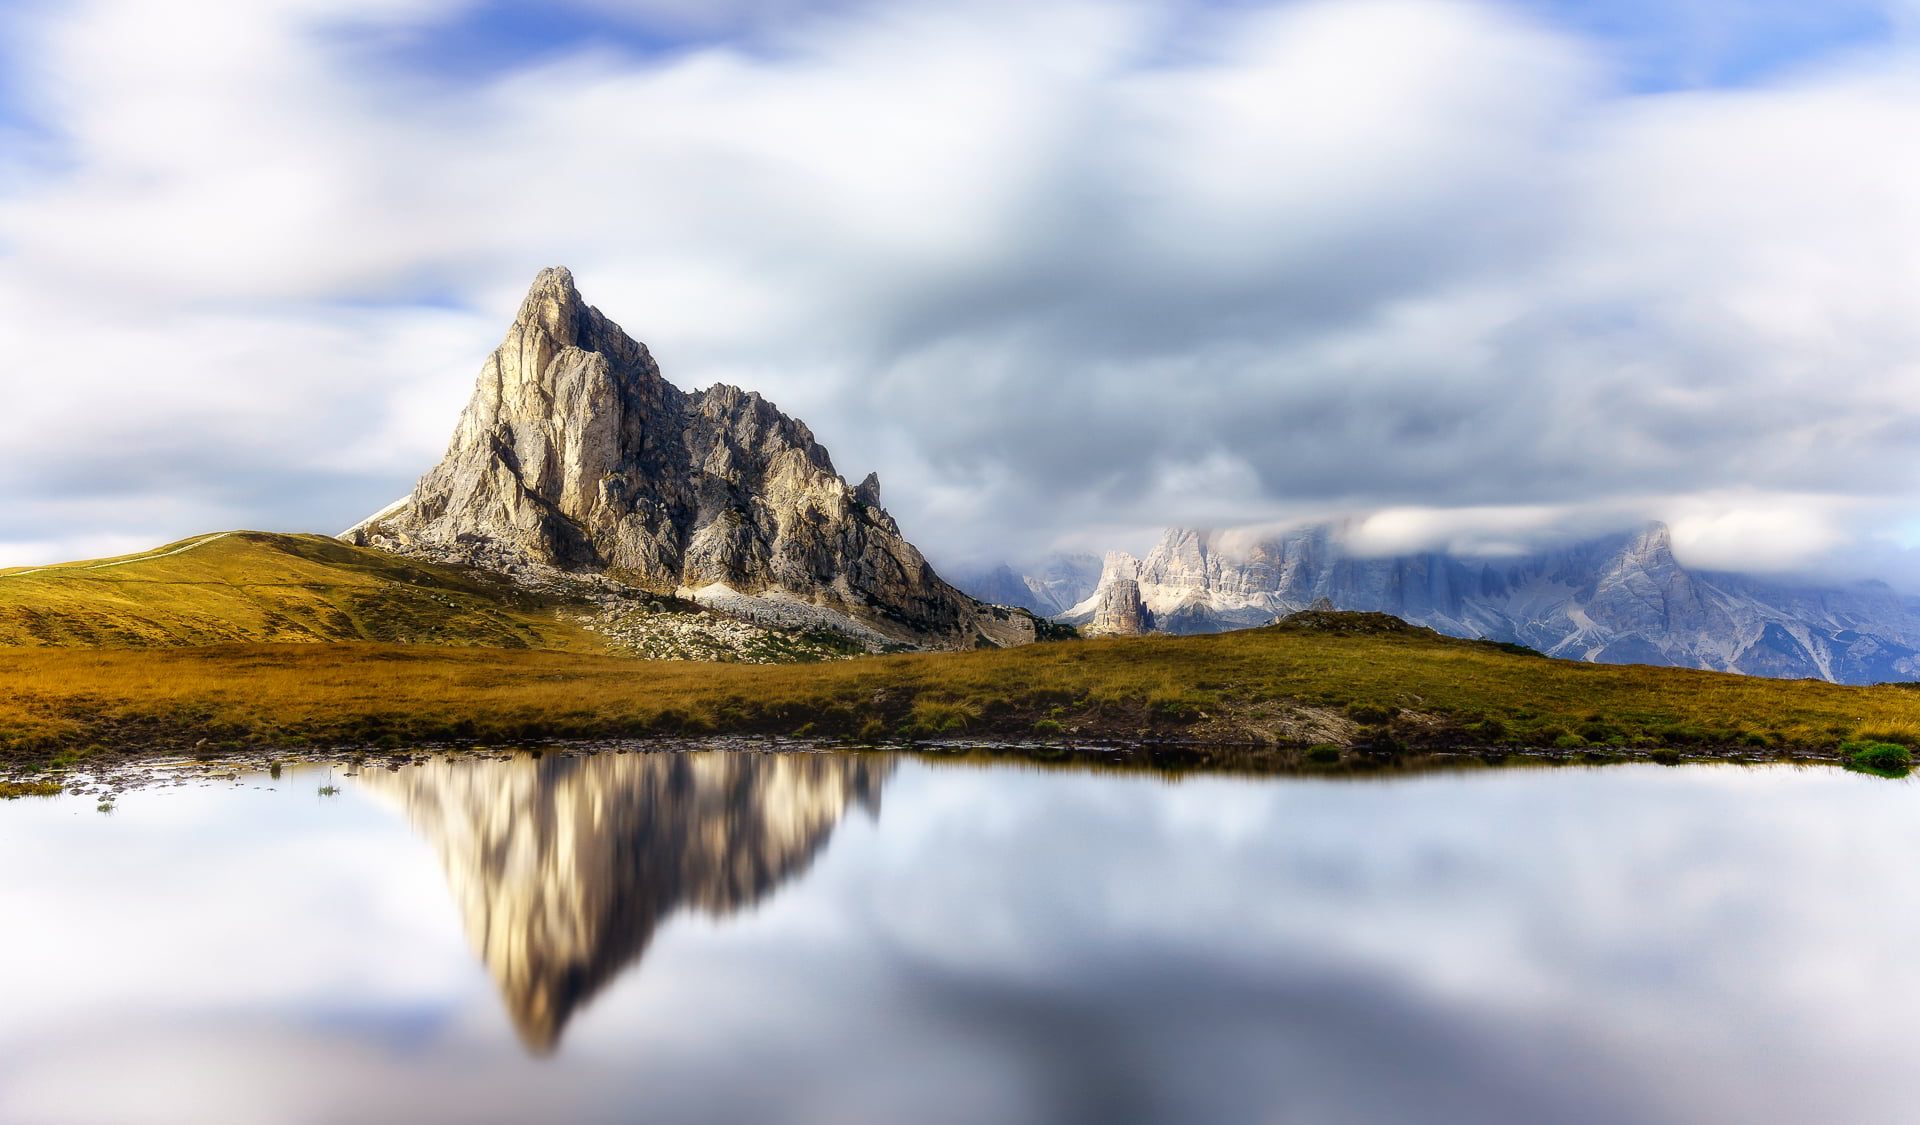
(563, 868)
(1618, 599)
(574, 453)
(1119, 612)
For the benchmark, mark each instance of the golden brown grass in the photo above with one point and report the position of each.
(255, 586)
(1383, 690)
(13, 790)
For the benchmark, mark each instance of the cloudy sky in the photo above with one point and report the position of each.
(1062, 272)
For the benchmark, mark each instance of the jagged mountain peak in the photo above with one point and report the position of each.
(575, 453)
(551, 295)
(554, 310)
(1620, 598)
(1653, 541)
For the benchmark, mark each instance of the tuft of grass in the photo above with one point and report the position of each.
(1599, 733)
(932, 717)
(1883, 759)
(1899, 734)
(1488, 730)
(1172, 706)
(14, 790)
(1370, 714)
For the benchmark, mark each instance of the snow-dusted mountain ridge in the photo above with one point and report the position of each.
(1618, 599)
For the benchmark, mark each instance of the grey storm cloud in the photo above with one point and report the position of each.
(1062, 272)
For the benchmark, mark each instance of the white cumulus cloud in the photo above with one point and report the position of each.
(1061, 271)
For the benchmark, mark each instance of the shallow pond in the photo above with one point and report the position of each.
(822, 937)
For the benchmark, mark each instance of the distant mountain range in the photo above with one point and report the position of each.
(1056, 586)
(1618, 599)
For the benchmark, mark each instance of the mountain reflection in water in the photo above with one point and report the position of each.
(1007, 944)
(563, 867)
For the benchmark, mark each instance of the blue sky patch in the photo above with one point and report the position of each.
(497, 37)
(1688, 44)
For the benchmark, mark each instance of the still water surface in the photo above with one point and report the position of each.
(839, 938)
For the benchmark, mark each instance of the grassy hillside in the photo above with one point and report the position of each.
(1367, 684)
(253, 586)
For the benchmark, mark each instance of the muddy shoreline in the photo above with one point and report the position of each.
(107, 776)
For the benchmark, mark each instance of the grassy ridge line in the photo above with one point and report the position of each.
(261, 587)
(1280, 686)
(164, 551)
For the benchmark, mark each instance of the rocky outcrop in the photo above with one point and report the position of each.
(563, 868)
(1119, 612)
(1616, 599)
(575, 453)
(1116, 609)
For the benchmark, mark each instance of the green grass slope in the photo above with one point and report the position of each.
(248, 586)
(1311, 690)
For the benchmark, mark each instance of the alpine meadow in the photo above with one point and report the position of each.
(1120, 561)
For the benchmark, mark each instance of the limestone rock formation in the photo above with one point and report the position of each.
(574, 453)
(1616, 599)
(1118, 610)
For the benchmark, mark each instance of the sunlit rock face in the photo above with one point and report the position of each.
(1118, 610)
(563, 868)
(575, 453)
(1619, 599)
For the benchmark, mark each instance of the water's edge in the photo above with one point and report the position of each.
(107, 777)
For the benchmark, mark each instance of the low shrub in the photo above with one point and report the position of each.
(1489, 730)
(1370, 714)
(1172, 709)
